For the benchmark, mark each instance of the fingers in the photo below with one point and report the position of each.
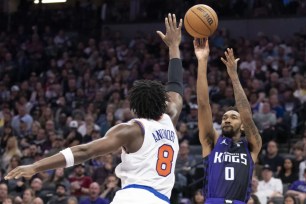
(167, 24)
(180, 24)
(223, 60)
(174, 20)
(229, 53)
(170, 21)
(206, 43)
(162, 36)
(12, 174)
(195, 43)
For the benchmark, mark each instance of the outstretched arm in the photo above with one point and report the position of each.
(115, 138)
(207, 133)
(243, 105)
(175, 70)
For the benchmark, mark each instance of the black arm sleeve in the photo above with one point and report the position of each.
(175, 76)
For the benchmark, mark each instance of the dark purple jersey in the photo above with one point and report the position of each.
(228, 171)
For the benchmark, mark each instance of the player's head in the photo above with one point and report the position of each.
(231, 123)
(148, 99)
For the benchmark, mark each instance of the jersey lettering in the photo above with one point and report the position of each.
(221, 157)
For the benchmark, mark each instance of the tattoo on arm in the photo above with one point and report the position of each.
(244, 109)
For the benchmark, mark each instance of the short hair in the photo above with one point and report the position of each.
(148, 99)
(299, 146)
(231, 108)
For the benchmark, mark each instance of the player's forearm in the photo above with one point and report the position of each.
(245, 112)
(174, 51)
(58, 160)
(242, 102)
(202, 84)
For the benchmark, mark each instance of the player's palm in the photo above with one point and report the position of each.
(230, 62)
(173, 32)
(201, 48)
(26, 171)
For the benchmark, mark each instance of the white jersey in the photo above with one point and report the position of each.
(153, 164)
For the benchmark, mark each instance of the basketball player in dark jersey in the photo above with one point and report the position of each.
(228, 158)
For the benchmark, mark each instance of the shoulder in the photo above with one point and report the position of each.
(276, 180)
(130, 128)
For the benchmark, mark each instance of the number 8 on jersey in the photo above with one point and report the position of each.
(164, 160)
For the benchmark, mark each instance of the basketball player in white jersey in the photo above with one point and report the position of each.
(149, 143)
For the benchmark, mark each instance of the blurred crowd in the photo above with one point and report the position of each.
(59, 89)
(76, 14)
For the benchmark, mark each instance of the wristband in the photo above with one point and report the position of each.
(68, 157)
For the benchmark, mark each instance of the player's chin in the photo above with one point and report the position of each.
(228, 133)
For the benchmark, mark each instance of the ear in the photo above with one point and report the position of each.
(242, 128)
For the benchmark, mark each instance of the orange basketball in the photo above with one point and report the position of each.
(201, 21)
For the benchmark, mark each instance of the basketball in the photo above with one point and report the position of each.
(201, 21)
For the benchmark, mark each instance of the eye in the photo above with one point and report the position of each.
(234, 117)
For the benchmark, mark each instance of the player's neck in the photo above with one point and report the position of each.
(236, 138)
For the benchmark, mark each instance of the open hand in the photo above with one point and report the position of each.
(26, 171)
(173, 32)
(230, 62)
(201, 48)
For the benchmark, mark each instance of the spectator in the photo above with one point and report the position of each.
(72, 200)
(272, 158)
(8, 200)
(298, 189)
(300, 92)
(298, 151)
(73, 137)
(105, 169)
(57, 177)
(93, 198)
(36, 185)
(253, 200)
(79, 182)
(185, 162)
(27, 197)
(88, 127)
(110, 187)
(60, 195)
(269, 187)
(7, 133)
(10, 150)
(265, 122)
(198, 197)
(289, 199)
(288, 174)
(3, 192)
(24, 117)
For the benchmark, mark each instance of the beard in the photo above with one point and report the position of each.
(228, 131)
(60, 194)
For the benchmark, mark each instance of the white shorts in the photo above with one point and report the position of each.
(136, 196)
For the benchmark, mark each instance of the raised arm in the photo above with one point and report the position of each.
(243, 105)
(115, 138)
(207, 134)
(175, 69)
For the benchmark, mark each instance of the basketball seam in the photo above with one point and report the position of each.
(215, 22)
(193, 28)
(202, 20)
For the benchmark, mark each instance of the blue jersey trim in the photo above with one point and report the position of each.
(152, 190)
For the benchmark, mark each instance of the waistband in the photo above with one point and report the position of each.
(222, 200)
(150, 189)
